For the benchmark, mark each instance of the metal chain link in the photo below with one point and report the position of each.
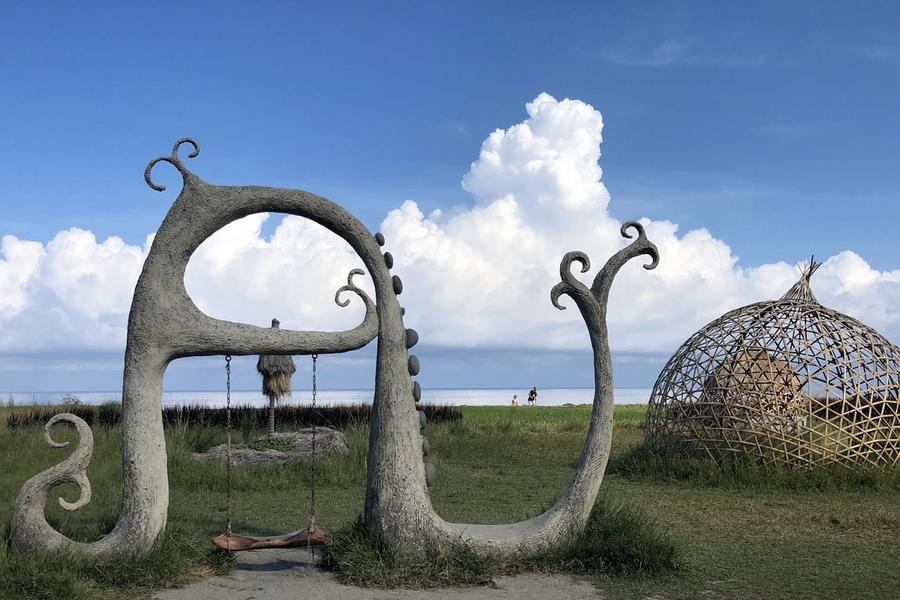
(228, 445)
(311, 527)
(312, 497)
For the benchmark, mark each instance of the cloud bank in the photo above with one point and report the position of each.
(477, 276)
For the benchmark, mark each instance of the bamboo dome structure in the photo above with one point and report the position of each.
(787, 381)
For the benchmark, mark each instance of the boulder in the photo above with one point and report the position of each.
(284, 447)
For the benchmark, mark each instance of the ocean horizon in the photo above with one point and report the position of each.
(453, 396)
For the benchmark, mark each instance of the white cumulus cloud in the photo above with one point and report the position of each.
(479, 276)
(73, 292)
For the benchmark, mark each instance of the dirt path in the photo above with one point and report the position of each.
(288, 574)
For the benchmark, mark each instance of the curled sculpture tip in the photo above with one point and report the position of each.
(648, 248)
(558, 290)
(84, 487)
(78, 476)
(653, 253)
(351, 287)
(172, 160)
(629, 225)
(569, 282)
(565, 264)
(155, 186)
(60, 418)
(186, 140)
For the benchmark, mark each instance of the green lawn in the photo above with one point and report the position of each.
(755, 535)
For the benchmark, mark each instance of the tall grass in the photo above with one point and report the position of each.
(38, 415)
(243, 417)
(741, 535)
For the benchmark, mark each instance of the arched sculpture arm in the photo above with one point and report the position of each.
(215, 336)
(164, 324)
(569, 514)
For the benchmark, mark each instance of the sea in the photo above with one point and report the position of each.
(456, 397)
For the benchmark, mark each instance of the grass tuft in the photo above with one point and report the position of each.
(175, 559)
(618, 541)
(360, 557)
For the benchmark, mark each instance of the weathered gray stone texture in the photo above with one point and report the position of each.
(164, 324)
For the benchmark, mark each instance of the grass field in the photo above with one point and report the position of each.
(741, 532)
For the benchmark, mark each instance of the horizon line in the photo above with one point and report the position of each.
(624, 387)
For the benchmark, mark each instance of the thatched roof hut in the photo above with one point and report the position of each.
(276, 371)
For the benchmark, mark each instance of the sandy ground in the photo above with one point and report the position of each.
(289, 574)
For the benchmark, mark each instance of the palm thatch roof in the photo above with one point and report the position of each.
(276, 371)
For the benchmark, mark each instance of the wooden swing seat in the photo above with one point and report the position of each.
(308, 536)
(294, 539)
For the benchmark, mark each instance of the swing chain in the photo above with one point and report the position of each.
(312, 500)
(228, 445)
(312, 495)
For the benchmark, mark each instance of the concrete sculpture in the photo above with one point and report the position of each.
(164, 324)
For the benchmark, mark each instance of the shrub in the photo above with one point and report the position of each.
(70, 399)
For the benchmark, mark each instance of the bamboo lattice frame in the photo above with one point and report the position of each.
(786, 381)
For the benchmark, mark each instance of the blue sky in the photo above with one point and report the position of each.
(772, 125)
